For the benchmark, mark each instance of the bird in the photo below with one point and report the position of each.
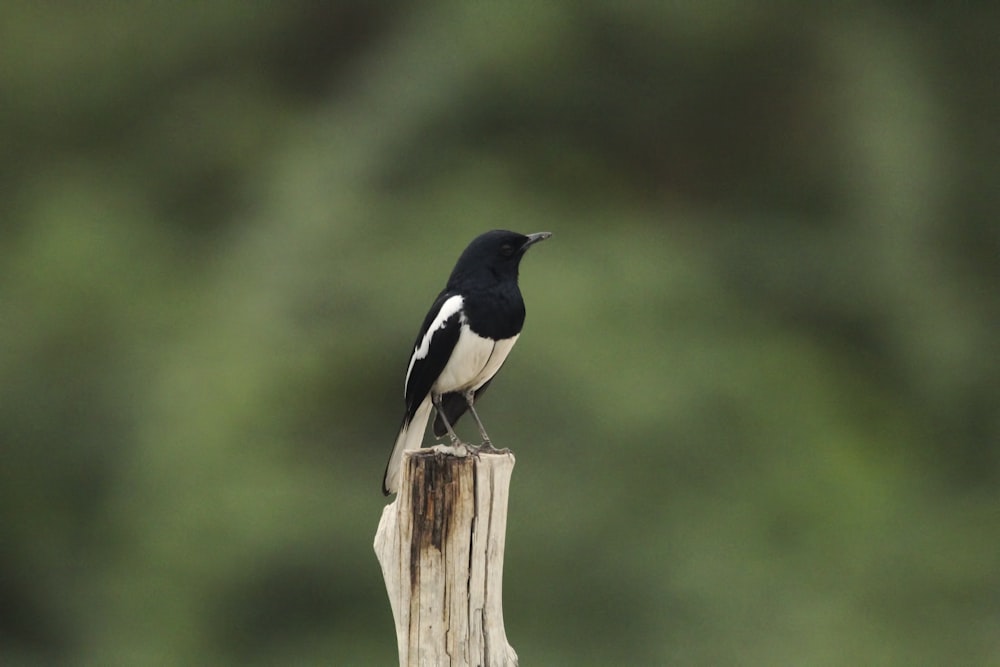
(464, 340)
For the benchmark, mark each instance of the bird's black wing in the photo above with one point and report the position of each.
(454, 407)
(432, 349)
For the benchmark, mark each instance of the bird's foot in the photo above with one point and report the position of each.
(488, 448)
(458, 449)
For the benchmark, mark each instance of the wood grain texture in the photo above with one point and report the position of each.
(441, 546)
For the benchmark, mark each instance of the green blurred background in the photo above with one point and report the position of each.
(756, 405)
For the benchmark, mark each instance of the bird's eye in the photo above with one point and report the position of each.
(506, 250)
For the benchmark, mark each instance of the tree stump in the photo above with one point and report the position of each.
(440, 544)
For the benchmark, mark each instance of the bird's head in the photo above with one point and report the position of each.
(496, 254)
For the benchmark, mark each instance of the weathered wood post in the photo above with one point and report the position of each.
(440, 545)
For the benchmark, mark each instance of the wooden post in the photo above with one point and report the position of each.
(440, 545)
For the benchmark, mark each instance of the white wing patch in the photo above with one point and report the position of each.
(451, 306)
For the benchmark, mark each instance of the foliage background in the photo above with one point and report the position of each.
(756, 407)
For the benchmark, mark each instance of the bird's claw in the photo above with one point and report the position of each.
(460, 450)
(488, 448)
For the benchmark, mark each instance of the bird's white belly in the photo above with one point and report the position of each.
(473, 361)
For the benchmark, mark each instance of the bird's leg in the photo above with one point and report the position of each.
(436, 400)
(470, 397)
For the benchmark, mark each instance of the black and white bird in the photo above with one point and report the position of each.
(463, 342)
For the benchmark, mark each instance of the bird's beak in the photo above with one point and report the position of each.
(535, 238)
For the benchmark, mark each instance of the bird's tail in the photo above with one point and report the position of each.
(411, 436)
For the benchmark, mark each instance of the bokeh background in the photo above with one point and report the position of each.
(756, 405)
